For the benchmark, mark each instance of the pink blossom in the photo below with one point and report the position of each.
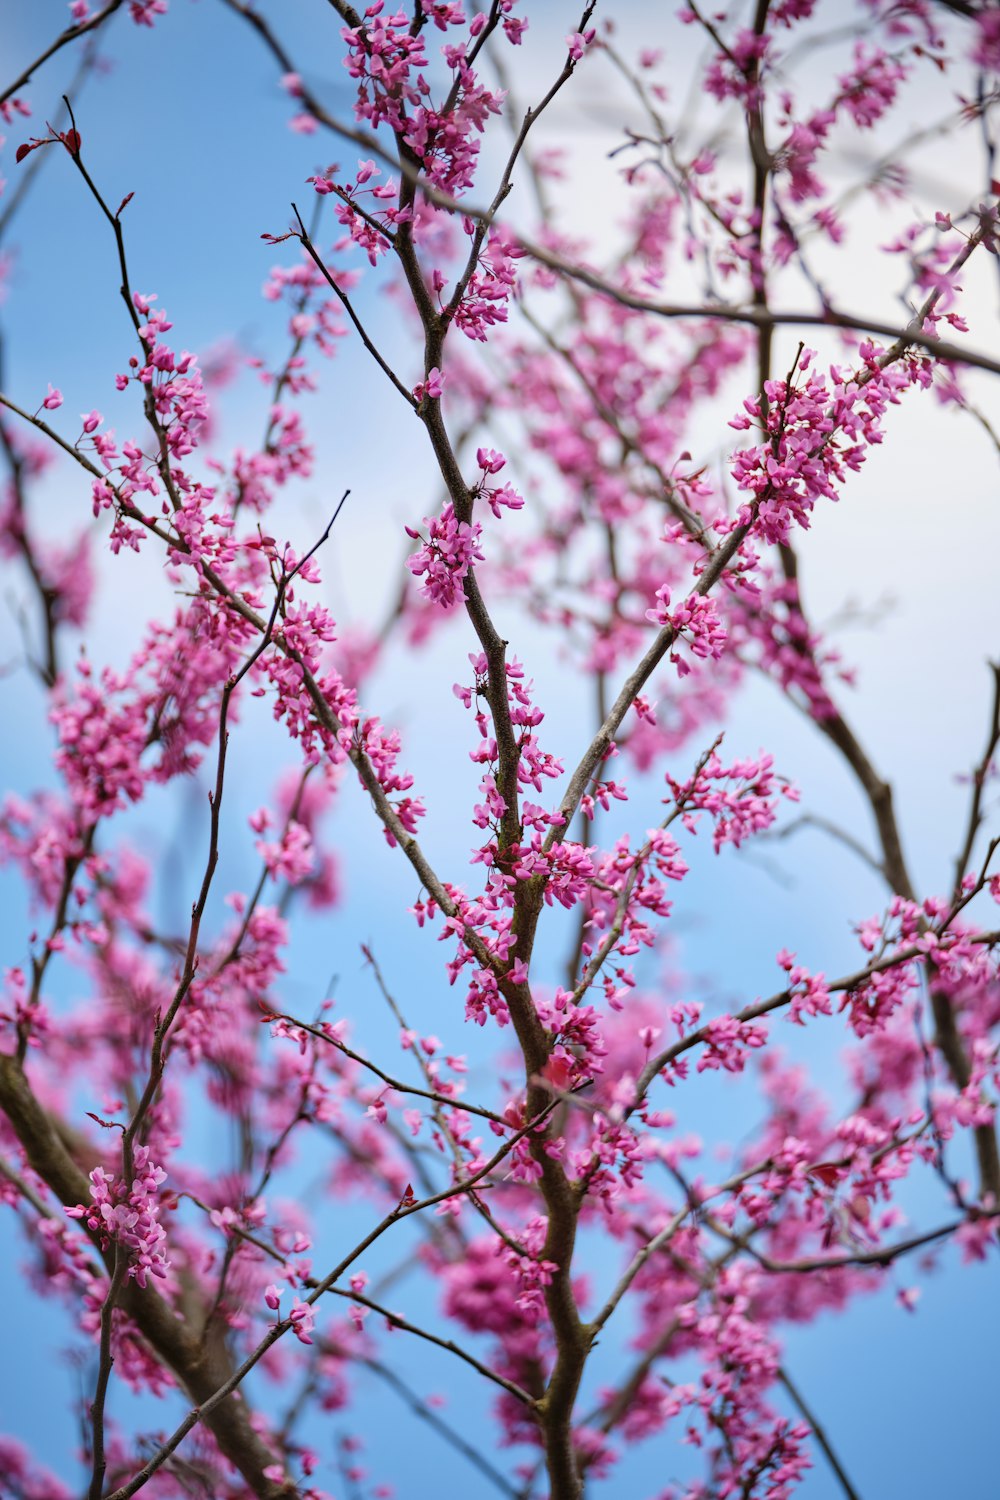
(432, 388)
(446, 557)
(302, 1319)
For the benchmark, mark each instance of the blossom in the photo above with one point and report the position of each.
(432, 388)
(302, 1319)
(446, 556)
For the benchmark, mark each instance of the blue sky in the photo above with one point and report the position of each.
(190, 118)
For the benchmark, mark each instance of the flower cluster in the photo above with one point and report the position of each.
(149, 1002)
(741, 798)
(814, 430)
(128, 1214)
(444, 559)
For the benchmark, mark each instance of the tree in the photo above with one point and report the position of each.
(236, 1178)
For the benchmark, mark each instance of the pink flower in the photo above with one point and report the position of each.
(489, 460)
(578, 41)
(302, 1318)
(143, 12)
(446, 557)
(432, 388)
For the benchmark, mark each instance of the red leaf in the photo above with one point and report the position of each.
(71, 140)
(827, 1172)
(26, 148)
(124, 203)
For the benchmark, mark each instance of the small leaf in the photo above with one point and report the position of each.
(124, 203)
(71, 140)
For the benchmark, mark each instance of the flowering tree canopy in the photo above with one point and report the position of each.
(632, 379)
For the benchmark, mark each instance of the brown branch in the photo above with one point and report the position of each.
(324, 713)
(233, 951)
(157, 1060)
(765, 318)
(29, 169)
(486, 220)
(390, 1082)
(754, 316)
(199, 1373)
(158, 1054)
(426, 1413)
(280, 1328)
(105, 1363)
(819, 1433)
(305, 240)
(663, 1238)
(783, 997)
(979, 778)
(825, 825)
(879, 1257)
(713, 571)
(48, 668)
(368, 143)
(69, 35)
(440, 1100)
(510, 1386)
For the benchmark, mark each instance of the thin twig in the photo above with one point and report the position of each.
(979, 779)
(106, 1361)
(426, 1413)
(69, 35)
(758, 317)
(819, 1433)
(304, 239)
(280, 1328)
(783, 997)
(390, 1082)
(510, 1386)
(826, 825)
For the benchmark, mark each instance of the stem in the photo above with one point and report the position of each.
(104, 1373)
(819, 1434)
(69, 35)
